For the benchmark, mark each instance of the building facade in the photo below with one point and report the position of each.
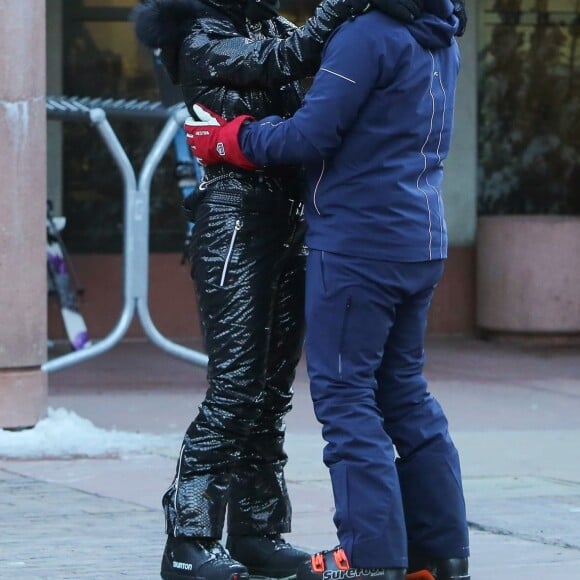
(517, 118)
(92, 52)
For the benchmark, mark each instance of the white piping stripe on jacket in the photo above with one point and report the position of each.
(437, 191)
(425, 156)
(316, 188)
(338, 75)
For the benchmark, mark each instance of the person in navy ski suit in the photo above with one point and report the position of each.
(373, 134)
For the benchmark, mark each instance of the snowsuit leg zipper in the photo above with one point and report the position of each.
(237, 228)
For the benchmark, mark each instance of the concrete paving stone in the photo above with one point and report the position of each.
(100, 544)
(557, 523)
(518, 487)
(73, 534)
(505, 557)
(514, 413)
(150, 474)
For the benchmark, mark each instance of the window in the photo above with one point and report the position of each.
(529, 98)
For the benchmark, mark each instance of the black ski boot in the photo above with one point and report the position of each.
(199, 558)
(267, 556)
(334, 564)
(452, 569)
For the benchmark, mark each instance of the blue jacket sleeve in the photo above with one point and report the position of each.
(348, 74)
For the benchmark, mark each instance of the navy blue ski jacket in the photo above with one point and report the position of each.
(373, 133)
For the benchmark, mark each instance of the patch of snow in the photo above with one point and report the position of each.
(63, 434)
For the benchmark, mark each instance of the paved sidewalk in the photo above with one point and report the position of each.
(514, 413)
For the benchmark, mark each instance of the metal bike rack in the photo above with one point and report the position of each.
(137, 191)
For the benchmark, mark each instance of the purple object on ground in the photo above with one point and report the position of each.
(80, 340)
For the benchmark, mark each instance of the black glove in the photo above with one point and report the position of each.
(404, 10)
(459, 11)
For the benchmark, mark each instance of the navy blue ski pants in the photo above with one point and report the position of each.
(365, 330)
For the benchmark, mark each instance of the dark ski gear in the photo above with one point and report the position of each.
(334, 564)
(267, 556)
(438, 569)
(199, 558)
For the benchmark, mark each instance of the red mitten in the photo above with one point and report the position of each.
(215, 140)
(420, 575)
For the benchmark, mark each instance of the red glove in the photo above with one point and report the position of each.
(215, 140)
(420, 575)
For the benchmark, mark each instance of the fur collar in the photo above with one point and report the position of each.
(163, 23)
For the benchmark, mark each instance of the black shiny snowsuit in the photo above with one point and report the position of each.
(248, 260)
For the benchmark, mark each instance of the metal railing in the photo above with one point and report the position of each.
(137, 190)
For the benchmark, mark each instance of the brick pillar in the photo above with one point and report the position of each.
(23, 386)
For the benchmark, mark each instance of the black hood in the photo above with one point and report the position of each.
(165, 23)
(436, 26)
(257, 10)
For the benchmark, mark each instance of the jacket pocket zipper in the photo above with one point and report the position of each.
(342, 335)
(237, 228)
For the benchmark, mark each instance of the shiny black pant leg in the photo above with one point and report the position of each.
(259, 501)
(235, 268)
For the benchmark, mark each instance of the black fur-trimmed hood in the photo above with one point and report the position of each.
(164, 23)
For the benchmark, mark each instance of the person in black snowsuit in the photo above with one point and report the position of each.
(248, 261)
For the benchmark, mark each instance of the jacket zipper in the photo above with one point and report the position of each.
(237, 228)
(342, 334)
